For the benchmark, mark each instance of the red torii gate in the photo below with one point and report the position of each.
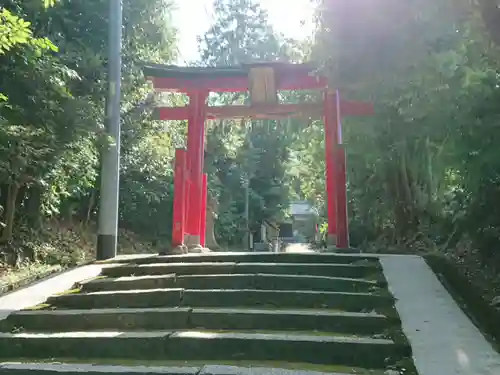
(262, 81)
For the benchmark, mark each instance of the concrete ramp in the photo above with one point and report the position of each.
(443, 339)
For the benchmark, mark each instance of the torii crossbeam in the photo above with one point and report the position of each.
(263, 81)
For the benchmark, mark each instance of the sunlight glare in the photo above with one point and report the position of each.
(192, 18)
(463, 359)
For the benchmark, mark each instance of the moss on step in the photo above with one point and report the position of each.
(247, 258)
(405, 366)
(175, 297)
(285, 299)
(130, 299)
(41, 306)
(69, 291)
(396, 334)
(80, 284)
(246, 364)
(271, 320)
(233, 281)
(388, 311)
(321, 269)
(376, 277)
(186, 345)
(367, 262)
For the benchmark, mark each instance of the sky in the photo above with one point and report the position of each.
(193, 18)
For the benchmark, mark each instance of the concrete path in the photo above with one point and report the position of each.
(444, 340)
(298, 248)
(40, 291)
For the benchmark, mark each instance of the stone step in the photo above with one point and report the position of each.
(204, 345)
(178, 368)
(232, 281)
(261, 257)
(223, 298)
(336, 251)
(206, 268)
(17, 368)
(187, 318)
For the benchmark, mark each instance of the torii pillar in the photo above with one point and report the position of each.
(336, 178)
(330, 141)
(195, 155)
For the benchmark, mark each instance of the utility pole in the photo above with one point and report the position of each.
(110, 155)
(247, 212)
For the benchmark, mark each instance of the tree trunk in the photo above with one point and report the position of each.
(34, 206)
(10, 212)
(90, 206)
(4, 192)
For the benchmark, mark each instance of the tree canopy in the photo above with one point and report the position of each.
(53, 71)
(424, 168)
(423, 173)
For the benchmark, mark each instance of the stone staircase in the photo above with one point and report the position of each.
(234, 313)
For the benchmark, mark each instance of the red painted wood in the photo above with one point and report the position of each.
(330, 142)
(187, 190)
(314, 110)
(204, 186)
(203, 221)
(195, 154)
(341, 182)
(242, 111)
(234, 84)
(191, 134)
(180, 199)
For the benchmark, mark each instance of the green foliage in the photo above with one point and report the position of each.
(53, 58)
(425, 168)
(241, 151)
(240, 34)
(15, 31)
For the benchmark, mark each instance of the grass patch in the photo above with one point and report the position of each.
(13, 278)
(37, 253)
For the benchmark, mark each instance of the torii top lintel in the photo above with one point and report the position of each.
(231, 79)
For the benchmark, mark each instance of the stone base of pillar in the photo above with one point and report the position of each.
(199, 250)
(331, 242)
(191, 241)
(193, 244)
(181, 249)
